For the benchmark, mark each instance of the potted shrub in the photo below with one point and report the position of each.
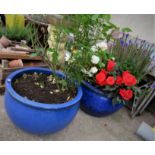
(113, 76)
(91, 36)
(41, 100)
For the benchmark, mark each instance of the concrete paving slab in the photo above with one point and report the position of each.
(118, 126)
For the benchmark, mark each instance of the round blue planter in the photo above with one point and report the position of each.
(94, 103)
(34, 117)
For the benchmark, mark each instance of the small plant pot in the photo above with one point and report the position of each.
(34, 117)
(16, 63)
(94, 103)
(1, 46)
(5, 42)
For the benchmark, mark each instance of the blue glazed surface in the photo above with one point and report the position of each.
(94, 103)
(34, 117)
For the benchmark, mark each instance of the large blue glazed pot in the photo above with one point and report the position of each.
(95, 103)
(34, 117)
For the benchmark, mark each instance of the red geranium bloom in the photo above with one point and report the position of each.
(129, 79)
(110, 66)
(104, 71)
(100, 78)
(110, 81)
(126, 94)
(119, 80)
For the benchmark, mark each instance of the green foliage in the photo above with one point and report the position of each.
(86, 30)
(89, 28)
(83, 28)
(54, 53)
(126, 30)
(17, 33)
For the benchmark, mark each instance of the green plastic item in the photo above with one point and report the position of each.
(13, 20)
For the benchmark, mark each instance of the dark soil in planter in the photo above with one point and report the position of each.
(38, 87)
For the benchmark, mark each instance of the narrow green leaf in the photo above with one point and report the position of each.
(126, 29)
(94, 17)
(107, 17)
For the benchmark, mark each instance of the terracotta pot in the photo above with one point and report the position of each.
(4, 41)
(16, 63)
(1, 46)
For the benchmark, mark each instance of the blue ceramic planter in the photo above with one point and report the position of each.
(38, 118)
(94, 103)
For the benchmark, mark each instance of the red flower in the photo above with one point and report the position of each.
(126, 94)
(110, 81)
(110, 66)
(104, 71)
(129, 79)
(119, 80)
(100, 78)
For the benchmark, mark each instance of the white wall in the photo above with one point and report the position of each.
(143, 26)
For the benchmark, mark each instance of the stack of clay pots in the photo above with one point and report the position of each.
(4, 43)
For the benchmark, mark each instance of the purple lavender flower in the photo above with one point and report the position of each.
(153, 85)
(117, 34)
(130, 42)
(123, 43)
(126, 36)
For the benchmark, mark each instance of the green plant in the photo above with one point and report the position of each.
(103, 71)
(17, 33)
(77, 34)
(89, 28)
(56, 61)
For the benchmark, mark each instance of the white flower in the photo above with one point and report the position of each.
(86, 72)
(113, 58)
(71, 37)
(51, 38)
(67, 55)
(102, 45)
(71, 60)
(95, 59)
(49, 28)
(94, 48)
(90, 74)
(80, 29)
(93, 70)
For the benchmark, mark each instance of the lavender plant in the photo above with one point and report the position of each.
(134, 55)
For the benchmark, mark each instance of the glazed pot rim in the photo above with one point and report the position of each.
(88, 85)
(95, 90)
(31, 103)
